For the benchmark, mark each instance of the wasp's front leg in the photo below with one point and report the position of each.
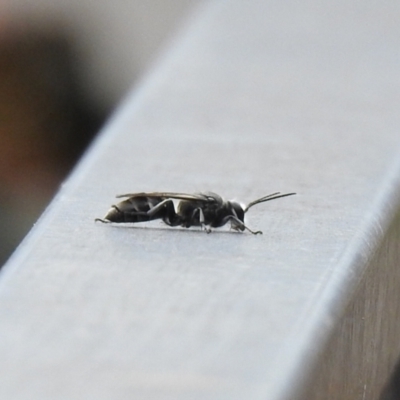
(237, 224)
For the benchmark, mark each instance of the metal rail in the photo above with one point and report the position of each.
(253, 98)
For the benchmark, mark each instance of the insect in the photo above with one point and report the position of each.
(207, 210)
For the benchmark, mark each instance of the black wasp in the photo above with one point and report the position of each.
(202, 209)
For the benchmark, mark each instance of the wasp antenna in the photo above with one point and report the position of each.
(262, 199)
(272, 196)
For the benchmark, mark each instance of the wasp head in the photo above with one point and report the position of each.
(237, 211)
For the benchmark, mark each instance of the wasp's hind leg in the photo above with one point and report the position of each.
(164, 210)
(237, 224)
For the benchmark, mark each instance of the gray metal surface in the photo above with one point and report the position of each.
(253, 98)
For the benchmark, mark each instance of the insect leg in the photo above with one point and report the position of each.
(166, 211)
(237, 224)
(201, 219)
(156, 212)
(160, 206)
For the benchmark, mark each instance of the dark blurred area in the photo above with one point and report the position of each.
(45, 123)
(392, 388)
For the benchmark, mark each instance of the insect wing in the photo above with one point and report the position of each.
(167, 195)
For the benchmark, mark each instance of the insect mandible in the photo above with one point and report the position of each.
(207, 210)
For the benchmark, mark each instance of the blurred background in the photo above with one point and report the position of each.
(64, 66)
